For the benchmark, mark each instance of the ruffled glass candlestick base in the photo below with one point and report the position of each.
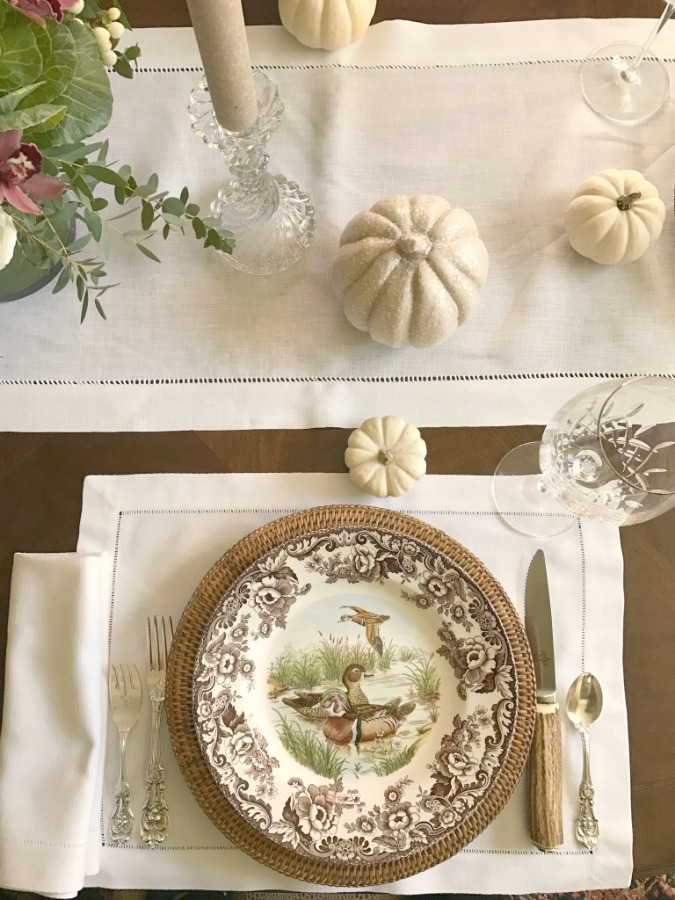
(271, 219)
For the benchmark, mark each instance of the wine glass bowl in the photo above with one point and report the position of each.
(608, 454)
(619, 89)
(624, 82)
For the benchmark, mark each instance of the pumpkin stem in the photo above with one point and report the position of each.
(415, 246)
(385, 457)
(626, 201)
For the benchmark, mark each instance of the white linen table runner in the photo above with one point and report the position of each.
(490, 117)
(161, 533)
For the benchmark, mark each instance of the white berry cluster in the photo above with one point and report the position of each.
(111, 30)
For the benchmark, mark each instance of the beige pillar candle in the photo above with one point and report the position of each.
(221, 37)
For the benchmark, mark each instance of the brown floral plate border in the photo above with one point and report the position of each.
(350, 695)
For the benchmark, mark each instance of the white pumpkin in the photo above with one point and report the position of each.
(410, 270)
(614, 216)
(386, 456)
(328, 24)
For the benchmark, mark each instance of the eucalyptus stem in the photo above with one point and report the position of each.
(64, 256)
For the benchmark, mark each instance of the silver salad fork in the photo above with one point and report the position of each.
(124, 688)
(155, 815)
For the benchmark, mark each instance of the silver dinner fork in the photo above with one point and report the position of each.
(124, 688)
(155, 815)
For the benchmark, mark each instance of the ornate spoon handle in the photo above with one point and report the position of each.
(587, 830)
(122, 819)
(155, 814)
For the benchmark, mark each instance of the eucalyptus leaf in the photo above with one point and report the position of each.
(36, 118)
(62, 280)
(94, 224)
(105, 240)
(88, 97)
(173, 220)
(147, 252)
(174, 206)
(147, 215)
(79, 244)
(104, 174)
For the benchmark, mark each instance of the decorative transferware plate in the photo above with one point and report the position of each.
(357, 691)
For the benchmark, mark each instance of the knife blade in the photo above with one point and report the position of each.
(546, 826)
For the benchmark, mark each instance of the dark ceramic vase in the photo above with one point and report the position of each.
(19, 278)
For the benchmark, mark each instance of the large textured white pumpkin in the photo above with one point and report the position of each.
(410, 270)
(328, 24)
(386, 456)
(614, 216)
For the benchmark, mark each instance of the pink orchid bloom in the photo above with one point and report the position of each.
(38, 10)
(20, 165)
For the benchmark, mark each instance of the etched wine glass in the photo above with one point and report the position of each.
(608, 454)
(624, 82)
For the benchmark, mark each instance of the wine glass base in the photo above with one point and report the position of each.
(273, 242)
(520, 499)
(617, 92)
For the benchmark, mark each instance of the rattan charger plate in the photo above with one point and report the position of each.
(350, 696)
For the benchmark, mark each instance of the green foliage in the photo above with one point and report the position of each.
(338, 653)
(86, 94)
(55, 89)
(425, 682)
(388, 656)
(310, 750)
(281, 671)
(20, 57)
(158, 212)
(38, 118)
(390, 756)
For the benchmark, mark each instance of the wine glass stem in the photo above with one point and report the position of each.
(630, 73)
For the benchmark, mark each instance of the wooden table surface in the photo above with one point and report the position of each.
(41, 475)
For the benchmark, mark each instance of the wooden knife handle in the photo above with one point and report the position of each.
(546, 825)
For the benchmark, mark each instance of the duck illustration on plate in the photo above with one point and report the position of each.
(363, 722)
(371, 622)
(370, 708)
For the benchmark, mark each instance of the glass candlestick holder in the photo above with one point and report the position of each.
(271, 218)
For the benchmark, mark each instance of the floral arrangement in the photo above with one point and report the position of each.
(55, 61)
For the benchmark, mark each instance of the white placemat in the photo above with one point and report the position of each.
(489, 116)
(163, 532)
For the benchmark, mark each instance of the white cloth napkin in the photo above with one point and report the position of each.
(53, 723)
(163, 533)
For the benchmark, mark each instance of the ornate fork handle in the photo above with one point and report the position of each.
(155, 814)
(122, 819)
(587, 830)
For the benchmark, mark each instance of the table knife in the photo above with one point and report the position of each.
(545, 756)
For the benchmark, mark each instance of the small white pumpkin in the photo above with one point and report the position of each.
(410, 270)
(327, 24)
(386, 456)
(614, 216)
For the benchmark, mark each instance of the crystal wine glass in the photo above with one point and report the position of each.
(608, 454)
(624, 82)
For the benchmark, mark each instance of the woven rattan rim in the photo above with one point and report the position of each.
(179, 698)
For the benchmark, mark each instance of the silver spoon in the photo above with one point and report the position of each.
(584, 705)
